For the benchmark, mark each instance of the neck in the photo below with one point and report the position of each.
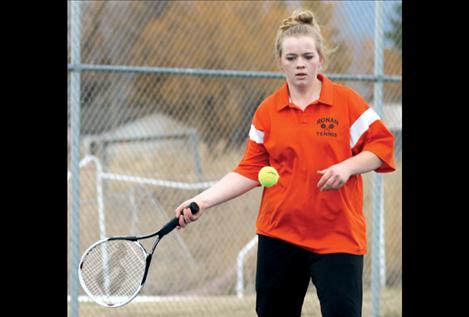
(302, 94)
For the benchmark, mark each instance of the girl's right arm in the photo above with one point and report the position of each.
(230, 186)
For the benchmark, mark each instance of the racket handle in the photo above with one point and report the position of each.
(175, 222)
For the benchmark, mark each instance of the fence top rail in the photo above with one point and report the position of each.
(108, 140)
(219, 72)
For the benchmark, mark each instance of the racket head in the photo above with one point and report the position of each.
(112, 271)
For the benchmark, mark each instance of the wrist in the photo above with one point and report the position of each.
(349, 167)
(203, 202)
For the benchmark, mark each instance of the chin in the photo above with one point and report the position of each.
(302, 83)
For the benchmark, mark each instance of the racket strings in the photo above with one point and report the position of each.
(113, 271)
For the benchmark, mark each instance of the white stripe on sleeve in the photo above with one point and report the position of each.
(361, 125)
(256, 135)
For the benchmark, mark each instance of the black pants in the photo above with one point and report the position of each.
(282, 279)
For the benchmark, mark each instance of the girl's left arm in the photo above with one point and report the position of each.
(337, 175)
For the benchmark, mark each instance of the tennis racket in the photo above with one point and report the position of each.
(112, 271)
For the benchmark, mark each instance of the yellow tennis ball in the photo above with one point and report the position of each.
(268, 176)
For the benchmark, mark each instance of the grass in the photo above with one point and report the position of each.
(231, 306)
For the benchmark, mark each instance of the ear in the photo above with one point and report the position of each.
(322, 61)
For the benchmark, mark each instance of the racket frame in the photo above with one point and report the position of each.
(148, 256)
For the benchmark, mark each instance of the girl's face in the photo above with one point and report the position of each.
(300, 61)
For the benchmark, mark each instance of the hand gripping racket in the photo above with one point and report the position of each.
(112, 271)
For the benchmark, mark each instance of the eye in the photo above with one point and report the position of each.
(309, 56)
(290, 58)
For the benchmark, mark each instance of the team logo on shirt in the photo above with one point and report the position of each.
(326, 126)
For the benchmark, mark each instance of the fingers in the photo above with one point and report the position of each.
(185, 215)
(179, 213)
(333, 177)
(327, 185)
(329, 181)
(185, 218)
(324, 179)
(334, 183)
(188, 216)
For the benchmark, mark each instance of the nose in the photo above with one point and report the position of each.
(300, 63)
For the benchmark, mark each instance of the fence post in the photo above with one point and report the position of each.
(194, 146)
(75, 155)
(377, 249)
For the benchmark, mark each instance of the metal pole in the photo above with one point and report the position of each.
(377, 232)
(75, 156)
(194, 143)
(239, 266)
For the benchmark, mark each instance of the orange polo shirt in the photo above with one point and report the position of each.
(298, 144)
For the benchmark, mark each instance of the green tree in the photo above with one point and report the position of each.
(233, 35)
(230, 35)
(395, 34)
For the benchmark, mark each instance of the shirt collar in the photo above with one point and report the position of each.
(326, 97)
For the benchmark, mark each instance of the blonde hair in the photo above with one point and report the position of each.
(301, 23)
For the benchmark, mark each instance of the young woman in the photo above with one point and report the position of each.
(320, 136)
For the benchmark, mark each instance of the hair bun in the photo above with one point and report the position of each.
(301, 23)
(298, 17)
(305, 17)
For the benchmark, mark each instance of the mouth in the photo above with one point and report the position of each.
(300, 75)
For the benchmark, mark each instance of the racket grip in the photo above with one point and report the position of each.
(175, 221)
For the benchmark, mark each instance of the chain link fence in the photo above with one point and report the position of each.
(167, 91)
